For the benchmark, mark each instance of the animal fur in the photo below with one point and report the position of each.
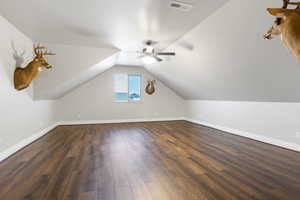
(150, 89)
(288, 27)
(24, 76)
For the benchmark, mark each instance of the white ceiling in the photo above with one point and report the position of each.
(222, 58)
(100, 23)
(228, 58)
(108, 25)
(73, 66)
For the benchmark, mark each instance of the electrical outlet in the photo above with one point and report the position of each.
(298, 135)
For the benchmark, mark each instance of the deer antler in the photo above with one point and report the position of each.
(48, 53)
(286, 3)
(38, 51)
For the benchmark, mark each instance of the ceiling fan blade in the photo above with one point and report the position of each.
(166, 53)
(158, 58)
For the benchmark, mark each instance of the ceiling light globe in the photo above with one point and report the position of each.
(148, 60)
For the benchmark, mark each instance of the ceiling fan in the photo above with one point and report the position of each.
(151, 55)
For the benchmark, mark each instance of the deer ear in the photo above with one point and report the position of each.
(280, 12)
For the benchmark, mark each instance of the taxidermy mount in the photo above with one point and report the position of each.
(287, 25)
(24, 76)
(150, 89)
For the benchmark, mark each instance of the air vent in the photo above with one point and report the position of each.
(181, 6)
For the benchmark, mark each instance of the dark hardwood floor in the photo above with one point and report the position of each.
(149, 161)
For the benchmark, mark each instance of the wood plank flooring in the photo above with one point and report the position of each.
(149, 161)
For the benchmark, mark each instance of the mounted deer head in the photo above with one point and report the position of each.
(150, 89)
(287, 24)
(24, 76)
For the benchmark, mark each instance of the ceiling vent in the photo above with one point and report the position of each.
(181, 6)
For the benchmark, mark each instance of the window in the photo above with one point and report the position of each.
(121, 87)
(134, 85)
(127, 87)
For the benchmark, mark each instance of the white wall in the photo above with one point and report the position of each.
(20, 116)
(94, 100)
(226, 58)
(266, 121)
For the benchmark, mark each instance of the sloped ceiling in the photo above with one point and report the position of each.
(73, 66)
(226, 58)
(222, 58)
(87, 34)
(99, 23)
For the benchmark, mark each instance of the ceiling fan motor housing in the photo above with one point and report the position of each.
(148, 50)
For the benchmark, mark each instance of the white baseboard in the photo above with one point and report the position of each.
(260, 138)
(81, 122)
(10, 151)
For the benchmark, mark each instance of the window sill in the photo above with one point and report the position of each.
(130, 101)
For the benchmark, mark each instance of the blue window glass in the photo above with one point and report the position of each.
(134, 87)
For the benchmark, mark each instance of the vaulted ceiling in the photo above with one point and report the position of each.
(220, 52)
(228, 59)
(101, 23)
(82, 28)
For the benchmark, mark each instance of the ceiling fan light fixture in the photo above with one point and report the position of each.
(149, 49)
(148, 60)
